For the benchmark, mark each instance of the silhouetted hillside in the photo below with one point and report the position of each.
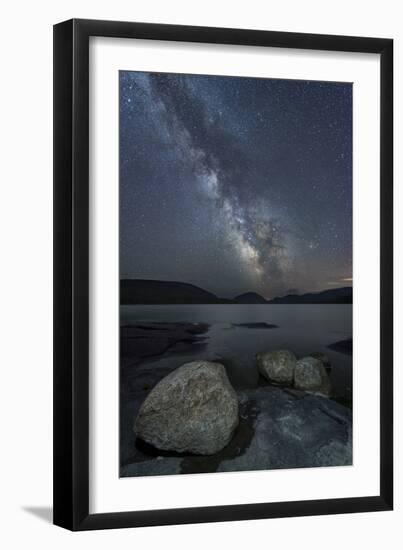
(143, 291)
(334, 296)
(250, 298)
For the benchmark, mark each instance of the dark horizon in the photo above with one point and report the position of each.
(236, 184)
(245, 292)
(156, 291)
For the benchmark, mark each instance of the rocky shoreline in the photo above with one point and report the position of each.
(142, 341)
(277, 429)
(279, 426)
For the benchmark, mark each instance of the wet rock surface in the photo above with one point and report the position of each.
(294, 430)
(147, 340)
(278, 428)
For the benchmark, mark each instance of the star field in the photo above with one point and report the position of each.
(236, 184)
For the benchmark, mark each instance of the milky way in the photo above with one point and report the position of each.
(235, 184)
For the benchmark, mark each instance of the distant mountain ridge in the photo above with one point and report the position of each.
(342, 295)
(250, 298)
(147, 291)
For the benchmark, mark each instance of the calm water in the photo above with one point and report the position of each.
(301, 328)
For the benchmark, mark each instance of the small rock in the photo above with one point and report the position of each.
(277, 366)
(322, 357)
(194, 409)
(311, 376)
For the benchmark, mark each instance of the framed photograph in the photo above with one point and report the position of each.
(218, 195)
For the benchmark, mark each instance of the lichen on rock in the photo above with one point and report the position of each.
(310, 375)
(277, 366)
(194, 410)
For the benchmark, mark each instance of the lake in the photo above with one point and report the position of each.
(301, 328)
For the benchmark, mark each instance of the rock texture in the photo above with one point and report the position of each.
(281, 429)
(310, 375)
(277, 366)
(322, 357)
(292, 431)
(194, 409)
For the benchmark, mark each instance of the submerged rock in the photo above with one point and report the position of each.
(277, 366)
(343, 346)
(194, 409)
(310, 375)
(279, 428)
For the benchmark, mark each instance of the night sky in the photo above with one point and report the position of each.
(236, 184)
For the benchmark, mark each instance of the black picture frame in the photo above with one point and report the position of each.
(71, 274)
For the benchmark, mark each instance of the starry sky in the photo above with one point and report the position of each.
(236, 184)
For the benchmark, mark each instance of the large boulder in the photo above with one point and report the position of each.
(310, 375)
(277, 366)
(194, 409)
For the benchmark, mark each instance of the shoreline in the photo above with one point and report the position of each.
(301, 431)
(153, 349)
